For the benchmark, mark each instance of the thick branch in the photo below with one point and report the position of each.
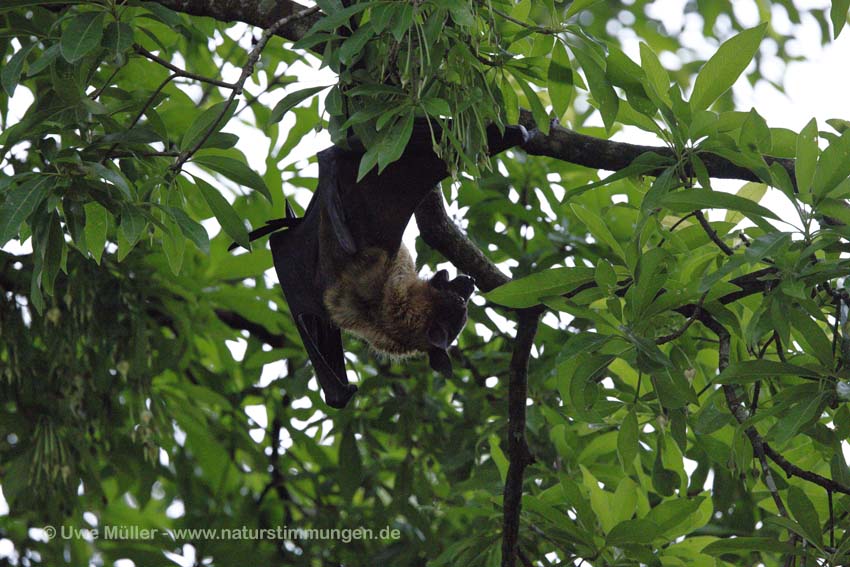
(440, 233)
(560, 143)
(519, 454)
(597, 153)
(260, 14)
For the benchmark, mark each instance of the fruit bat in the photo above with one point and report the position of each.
(343, 264)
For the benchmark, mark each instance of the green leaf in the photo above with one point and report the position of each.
(353, 46)
(632, 531)
(677, 517)
(133, 222)
(799, 416)
(747, 371)
(560, 83)
(693, 199)
(724, 67)
(118, 37)
(833, 165)
(19, 204)
(527, 291)
(656, 74)
(114, 177)
(597, 228)
(627, 440)
(367, 162)
(606, 277)
(577, 6)
(541, 117)
(11, 72)
(97, 223)
(51, 249)
(350, 464)
(292, 100)
(838, 15)
(600, 87)
(745, 546)
(805, 514)
(751, 191)
(394, 141)
(218, 114)
(498, 457)
(81, 36)
(191, 229)
(644, 163)
(174, 245)
(755, 134)
(47, 57)
(811, 335)
(224, 213)
(403, 21)
(511, 100)
(235, 170)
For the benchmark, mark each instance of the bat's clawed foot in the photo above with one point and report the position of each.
(338, 397)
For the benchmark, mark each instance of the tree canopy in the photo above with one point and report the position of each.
(654, 371)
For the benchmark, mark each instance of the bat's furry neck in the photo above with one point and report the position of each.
(381, 299)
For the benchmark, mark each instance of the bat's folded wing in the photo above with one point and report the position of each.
(295, 253)
(324, 346)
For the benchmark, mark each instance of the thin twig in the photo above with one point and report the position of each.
(181, 72)
(741, 414)
(712, 234)
(236, 88)
(523, 557)
(114, 154)
(533, 27)
(141, 112)
(236, 321)
(96, 94)
(681, 330)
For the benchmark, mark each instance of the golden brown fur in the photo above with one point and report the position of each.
(382, 300)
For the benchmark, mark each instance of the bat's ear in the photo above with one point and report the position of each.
(440, 279)
(463, 286)
(438, 355)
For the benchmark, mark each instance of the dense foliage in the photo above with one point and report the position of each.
(689, 380)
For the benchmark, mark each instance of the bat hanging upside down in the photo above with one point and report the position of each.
(343, 265)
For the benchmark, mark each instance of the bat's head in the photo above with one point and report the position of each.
(449, 317)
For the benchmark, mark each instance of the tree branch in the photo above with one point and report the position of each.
(247, 71)
(741, 414)
(518, 452)
(442, 234)
(178, 72)
(597, 153)
(561, 143)
(236, 321)
(260, 14)
(703, 222)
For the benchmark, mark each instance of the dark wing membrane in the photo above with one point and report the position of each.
(324, 346)
(328, 194)
(295, 252)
